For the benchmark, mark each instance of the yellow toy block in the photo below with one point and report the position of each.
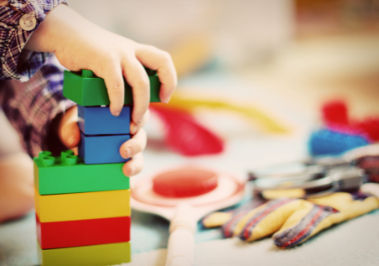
(107, 254)
(80, 206)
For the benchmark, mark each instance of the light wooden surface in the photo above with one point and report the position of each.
(310, 71)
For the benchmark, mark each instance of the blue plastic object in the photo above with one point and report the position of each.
(102, 149)
(328, 142)
(100, 121)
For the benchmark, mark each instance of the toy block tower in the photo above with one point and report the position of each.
(82, 202)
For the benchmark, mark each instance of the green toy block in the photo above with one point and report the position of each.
(88, 90)
(106, 254)
(67, 174)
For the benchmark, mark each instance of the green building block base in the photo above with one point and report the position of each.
(66, 174)
(88, 90)
(107, 254)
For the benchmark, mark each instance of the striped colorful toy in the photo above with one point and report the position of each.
(292, 221)
(82, 203)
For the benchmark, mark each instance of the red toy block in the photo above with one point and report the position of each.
(335, 113)
(369, 126)
(83, 232)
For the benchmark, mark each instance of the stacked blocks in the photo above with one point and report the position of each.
(79, 209)
(101, 133)
(82, 203)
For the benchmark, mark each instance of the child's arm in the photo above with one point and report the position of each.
(33, 104)
(80, 44)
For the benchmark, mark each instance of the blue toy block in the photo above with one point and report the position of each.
(328, 142)
(100, 121)
(102, 149)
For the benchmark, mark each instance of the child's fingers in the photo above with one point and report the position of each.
(134, 145)
(137, 78)
(115, 87)
(134, 166)
(161, 61)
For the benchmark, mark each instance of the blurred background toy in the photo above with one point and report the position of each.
(293, 221)
(318, 176)
(263, 120)
(184, 134)
(341, 132)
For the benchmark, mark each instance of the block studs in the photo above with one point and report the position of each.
(68, 158)
(87, 73)
(46, 158)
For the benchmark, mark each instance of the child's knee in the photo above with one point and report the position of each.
(16, 186)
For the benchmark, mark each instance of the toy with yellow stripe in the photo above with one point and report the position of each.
(81, 226)
(82, 204)
(292, 221)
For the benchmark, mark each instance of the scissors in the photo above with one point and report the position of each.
(319, 176)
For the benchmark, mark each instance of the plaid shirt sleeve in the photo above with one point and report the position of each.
(18, 20)
(31, 82)
(34, 107)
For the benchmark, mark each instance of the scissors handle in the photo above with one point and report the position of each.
(346, 178)
(181, 242)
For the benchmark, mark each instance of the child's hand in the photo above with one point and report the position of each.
(79, 44)
(70, 136)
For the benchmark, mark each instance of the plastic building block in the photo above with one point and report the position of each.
(66, 174)
(335, 113)
(88, 90)
(102, 149)
(82, 206)
(370, 127)
(327, 142)
(83, 232)
(100, 121)
(185, 134)
(106, 254)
